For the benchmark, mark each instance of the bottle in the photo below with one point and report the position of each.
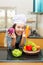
(27, 31)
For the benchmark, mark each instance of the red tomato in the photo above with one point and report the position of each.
(29, 48)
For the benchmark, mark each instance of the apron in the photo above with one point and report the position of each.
(18, 40)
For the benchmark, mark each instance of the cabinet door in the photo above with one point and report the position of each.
(37, 41)
(2, 35)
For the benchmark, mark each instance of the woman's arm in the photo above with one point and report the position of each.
(22, 40)
(9, 40)
(13, 37)
(13, 40)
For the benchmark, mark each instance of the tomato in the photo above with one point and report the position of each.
(29, 48)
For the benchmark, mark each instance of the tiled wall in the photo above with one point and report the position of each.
(40, 24)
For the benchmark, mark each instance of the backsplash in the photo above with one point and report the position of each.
(40, 25)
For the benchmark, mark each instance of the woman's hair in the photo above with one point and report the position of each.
(14, 26)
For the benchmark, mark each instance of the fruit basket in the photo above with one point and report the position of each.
(31, 48)
(31, 52)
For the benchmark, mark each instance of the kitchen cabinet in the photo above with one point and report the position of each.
(2, 35)
(38, 41)
(37, 6)
(20, 63)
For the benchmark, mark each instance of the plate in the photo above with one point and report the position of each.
(31, 52)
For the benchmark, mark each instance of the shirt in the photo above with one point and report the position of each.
(8, 40)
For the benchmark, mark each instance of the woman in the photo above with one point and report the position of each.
(16, 39)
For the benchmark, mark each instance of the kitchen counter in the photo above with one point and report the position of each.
(35, 37)
(6, 56)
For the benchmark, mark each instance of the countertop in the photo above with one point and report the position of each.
(35, 37)
(6, 56)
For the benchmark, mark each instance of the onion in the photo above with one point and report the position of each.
(11, 30)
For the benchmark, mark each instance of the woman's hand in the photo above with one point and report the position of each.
(23, 39)
(23, 35)
(12, 35)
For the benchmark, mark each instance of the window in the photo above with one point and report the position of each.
(6, 16)
(2, 18)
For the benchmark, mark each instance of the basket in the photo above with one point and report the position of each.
(31, 52)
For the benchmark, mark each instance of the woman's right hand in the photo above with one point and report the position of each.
(12, 35)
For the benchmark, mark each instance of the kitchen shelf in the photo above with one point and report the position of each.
(30, 21)
(41, 13)
(37, 14)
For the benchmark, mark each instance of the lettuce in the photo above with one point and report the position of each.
(16, 52)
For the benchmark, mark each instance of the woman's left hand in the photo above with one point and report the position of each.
(23, 35)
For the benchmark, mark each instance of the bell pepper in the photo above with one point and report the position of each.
(29, 47)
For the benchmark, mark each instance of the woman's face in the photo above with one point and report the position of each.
(19, 29)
